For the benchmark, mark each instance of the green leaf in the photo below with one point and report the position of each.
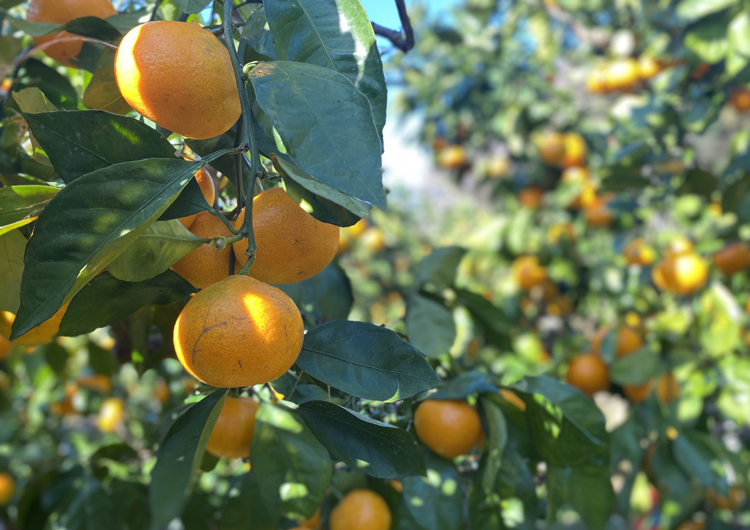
(102, 92)
(32, 100)
(439, 268)
(225, 163)
(694, 454)
(160, 246)
(23, 202)
(707, 38)
(83, 141)
(335, 34)
(588, 489)
(56, 87)
(498, 437)
(487, 315)
(367, 361)
(192, 6)
(290, 463)
(101, 361)
(12, 248)
(566, 426)
(55, 355)
(189, 202)
(719, 320)
(247, 505)
(739, 33)
(430, 326)
(464, 385)
(325, 297)
(434, 501)
(307, 104)
(179, 458)
(699, 182)
(114, 300)
(369, 446)
(636, 368)
(88, 224)
(694, 9)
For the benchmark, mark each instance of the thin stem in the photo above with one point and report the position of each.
(155, 12)
(227, 240)
(289, 397)
(403, 42)
(226, 221)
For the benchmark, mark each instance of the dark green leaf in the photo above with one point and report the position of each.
(101, 361)
(693, 453)
(439, 268)
(247, 510)
(498, 437)
(464, 385)
(192, 6)
(83, 141)
(491, 318)
(93, 27)
(372, 447)
(636, 368)
(699, 182)
(325, 297)
(430, 326)
(189, 202)
(56, 87)
(365, 360)
(290, 463)
(55, 355)
(588, 489)
(179, 458)
(114, 300)
(318, 114)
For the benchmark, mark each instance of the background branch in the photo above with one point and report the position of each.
(403, 41)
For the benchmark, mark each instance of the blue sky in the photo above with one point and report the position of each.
(384, 11)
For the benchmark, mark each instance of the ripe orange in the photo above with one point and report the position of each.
(208, 189)
(559, 231)
(638, 393)
(740, 99)
(574, 175)
(528, 273)
(574, 150)
(205, 265)
(234, 428)
(5, 347)
(657, 276)
(648, 67)
(589, 374)
(552, 148)
(111, 414)
(238, 332)
(61, 12)
(7, 486)
(679, 245)
(361, 510)
(498, 166)
(37, 336)
(179, 76)
(733, 258)
(685, 274)
(449, 427)
(598, 214)
(452, 157)
(373, 239)
(622, 74)
(512, 398)
(98, 382)
(531, 197)
(292, 244)
(628, 341)
(638, 252)
(596, 82)
(668, 388)
(312, 522)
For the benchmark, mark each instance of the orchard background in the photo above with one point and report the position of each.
(540, 321)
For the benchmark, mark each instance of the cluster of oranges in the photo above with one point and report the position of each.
(622, 74)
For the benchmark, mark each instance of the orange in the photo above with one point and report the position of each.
(111, 414)
(560, 305)
(638, 252)
(668, 388)
(740, 99)
(559, 231)
(657, 276)
(498, 166)
(234, 428)
(361, 510)
(208, 189)
(531, 197)
(61, 12)
(574, 150)
(622, 74)
(596, 82)
(732, 259)
(37, 336)
(574, 175)
(679, 245)
(65, 405)
(312, 522)
(579, 176)
(700, 71)
(7, 486)
(735, 500)
(439, 143)
(450, 428)
(5, 347)
(238, 332)
(685, 274)
(452, 157)
(528, 273)
(161, 391)
(598, 214)
(180, 76)
(648, 67)
(292, 244)
(98, 382)
(589, 374)
(205, 265)
(373, 239)
(552, 148)
(638, 393)
(512, 398)
(628, 341)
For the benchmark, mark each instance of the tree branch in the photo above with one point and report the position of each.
(402, 41)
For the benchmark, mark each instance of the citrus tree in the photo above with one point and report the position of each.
(211, 320)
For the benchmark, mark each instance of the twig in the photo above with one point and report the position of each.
(403, 41)
(155, 12)
(289, 398)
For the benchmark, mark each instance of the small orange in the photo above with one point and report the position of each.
(197, 98)
(638, 252)
(685, 274)
(234, 428)
(5, 347)
(497, 166)
(596, 81)
(449, 427)
(205, 265)
(452, 157)
(559, 231)
(531, 197)
(292, 244)
(238, 332)
(589, 374)
(574, 150)
(361, 510)
(551, 148)
(574, 175)
(622, 73)
(559, 306)
(41, 334)
(638, 393)
(312, 522)
(7, 487)
(657, 276)
(208, 189)
(528, 273)
(111, 414)
(740, 99)
(161, 391)
(679, 245)
(99, 382)
(598, 213)
(668, 388)
(512, 398)
(648, 67)
(733, 258)
(628, 341)
(62, 12)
